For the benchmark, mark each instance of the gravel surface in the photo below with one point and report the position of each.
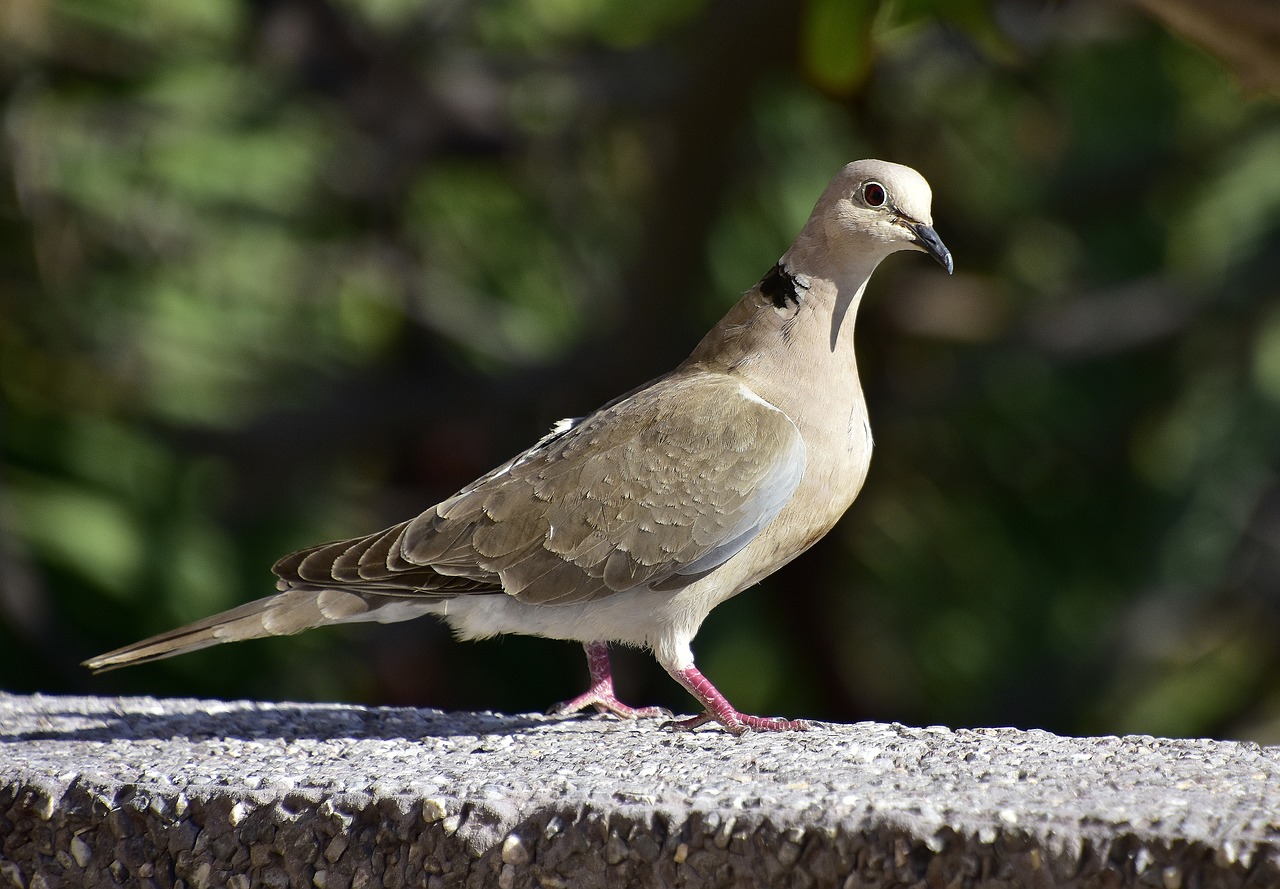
(138, 791)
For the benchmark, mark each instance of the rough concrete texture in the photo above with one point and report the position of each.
(143, 792)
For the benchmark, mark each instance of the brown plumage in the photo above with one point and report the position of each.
(632, 523)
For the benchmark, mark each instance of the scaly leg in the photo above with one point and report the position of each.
(721, 711)
(600, 695)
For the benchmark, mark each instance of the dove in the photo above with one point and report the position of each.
(630, 524)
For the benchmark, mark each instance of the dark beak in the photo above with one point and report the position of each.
(928, 241)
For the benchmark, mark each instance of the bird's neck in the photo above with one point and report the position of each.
(797, 323)
(809, 300)
(845, 266)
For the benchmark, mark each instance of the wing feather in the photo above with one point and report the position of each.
(654, 490)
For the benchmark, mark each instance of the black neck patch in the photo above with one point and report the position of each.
(781, 287)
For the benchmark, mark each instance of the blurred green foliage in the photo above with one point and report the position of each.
(283, 271)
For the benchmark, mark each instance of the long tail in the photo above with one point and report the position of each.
(332, 583)
(285, 613)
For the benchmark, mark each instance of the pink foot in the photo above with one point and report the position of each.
(600, 695)
(605, 702)
(721, 711)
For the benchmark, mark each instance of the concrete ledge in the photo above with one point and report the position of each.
(143, 792)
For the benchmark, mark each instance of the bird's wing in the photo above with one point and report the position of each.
(654, 490)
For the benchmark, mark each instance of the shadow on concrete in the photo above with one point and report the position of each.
(143, 719)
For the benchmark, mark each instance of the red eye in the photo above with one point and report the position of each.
(873, 194)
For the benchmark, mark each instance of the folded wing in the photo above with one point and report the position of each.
(655, 490)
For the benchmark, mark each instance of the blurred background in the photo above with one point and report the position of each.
(274, 272)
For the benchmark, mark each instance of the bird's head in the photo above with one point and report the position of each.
(876, 207)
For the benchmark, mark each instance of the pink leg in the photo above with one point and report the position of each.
(722, 711)
(600, 694)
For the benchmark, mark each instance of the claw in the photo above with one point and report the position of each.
(605, 702)
(720, 710)
(739, 724)
(600, 695)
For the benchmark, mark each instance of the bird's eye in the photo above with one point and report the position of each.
(873, 193)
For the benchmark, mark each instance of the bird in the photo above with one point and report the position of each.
(628, 525)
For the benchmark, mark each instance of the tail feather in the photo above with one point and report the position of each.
(285, 613)
(363, 579)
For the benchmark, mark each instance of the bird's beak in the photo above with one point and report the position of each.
(927, 240)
